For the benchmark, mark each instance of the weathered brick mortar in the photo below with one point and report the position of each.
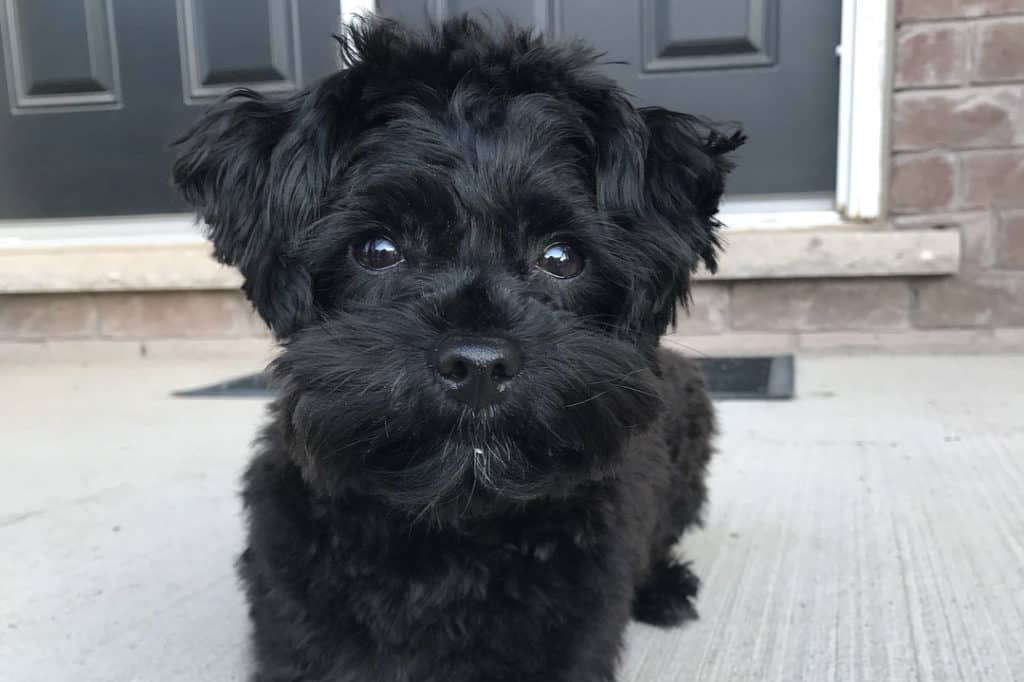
(958, 118)
(958, 161)
(919, 10)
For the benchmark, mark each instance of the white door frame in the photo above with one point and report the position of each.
(865, 92)
(352, 10)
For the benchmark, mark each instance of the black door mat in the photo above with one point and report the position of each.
(770, 377)
(249, 386)
(739, 378)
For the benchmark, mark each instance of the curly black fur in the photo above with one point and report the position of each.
(396, 535)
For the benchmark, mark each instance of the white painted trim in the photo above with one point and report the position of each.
(130, 231)
(845, 83)
(354, 10)
(765, 203)
(780, 220)
(864, 94)
(792, 211)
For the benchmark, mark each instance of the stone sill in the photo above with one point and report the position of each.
(846, 251)
(183, 262)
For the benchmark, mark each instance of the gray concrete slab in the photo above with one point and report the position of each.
(872, 530)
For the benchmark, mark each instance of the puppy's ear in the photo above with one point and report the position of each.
(256, 176)
(664, 172)
(684, 171)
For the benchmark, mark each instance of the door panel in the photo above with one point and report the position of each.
(769, 65)
(95, 90)
(235, 44)
(82, 73)
(541, 14)
(679, 36)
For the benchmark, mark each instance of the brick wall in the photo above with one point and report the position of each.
(958, 151)
(958, 161)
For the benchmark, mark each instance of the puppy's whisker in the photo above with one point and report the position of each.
(472, 490)
(627, 374)
(356, 443)
(692, 349)
(587, 400)
(634, 389)
(395, 384)
(420, 515)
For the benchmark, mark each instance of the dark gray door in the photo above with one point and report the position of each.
(94, 90)
(767, 64)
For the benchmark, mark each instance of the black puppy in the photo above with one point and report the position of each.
(478, 461)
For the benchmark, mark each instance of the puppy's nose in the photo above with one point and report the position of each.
(476, 370)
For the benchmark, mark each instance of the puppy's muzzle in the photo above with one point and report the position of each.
(477, 370)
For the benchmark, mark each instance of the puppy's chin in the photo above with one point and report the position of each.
(461, 480)
(370, 418)
(482, 465)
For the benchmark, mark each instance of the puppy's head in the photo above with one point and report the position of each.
(468, 243)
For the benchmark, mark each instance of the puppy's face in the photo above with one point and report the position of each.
(469, 246)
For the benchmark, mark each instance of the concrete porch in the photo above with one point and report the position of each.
(872, 530)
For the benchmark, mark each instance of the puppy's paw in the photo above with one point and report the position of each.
(666, 598)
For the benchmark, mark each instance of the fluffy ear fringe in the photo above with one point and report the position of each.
(666, 175)
(253, 178)
(686, 167)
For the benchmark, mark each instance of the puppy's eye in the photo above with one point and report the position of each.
(561, 261)
(377, 253)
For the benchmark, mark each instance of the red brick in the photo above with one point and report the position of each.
(926, 9)
(987, 8)
(930, 55)
(999, 50)
(215, 314)
(957, 119)
(993, 178)
(1010, 240)
(977, 238)
(922, 183)
(810, 305)
(25, 317)
(991, 299)
(912, 10)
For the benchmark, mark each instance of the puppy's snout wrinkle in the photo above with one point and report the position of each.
(476, 370)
